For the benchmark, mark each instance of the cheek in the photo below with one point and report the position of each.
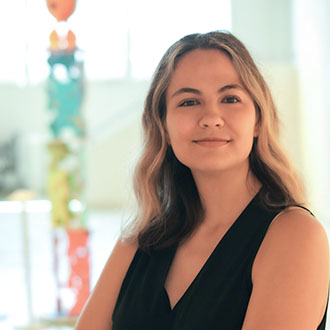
(244, 123)
(175, 137)
(179, 138)
(169, 131)
(177, 129)
(247, 134)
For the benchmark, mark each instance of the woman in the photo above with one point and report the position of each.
(221, 240)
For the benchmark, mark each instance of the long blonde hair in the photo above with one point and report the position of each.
(169, 207)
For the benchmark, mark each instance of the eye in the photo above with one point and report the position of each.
(188, 103)
(231, 99)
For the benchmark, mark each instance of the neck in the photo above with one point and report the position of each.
(225, 194)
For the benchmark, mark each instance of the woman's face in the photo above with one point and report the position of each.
(210, 117)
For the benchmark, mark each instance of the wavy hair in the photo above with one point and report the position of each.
(169, 206)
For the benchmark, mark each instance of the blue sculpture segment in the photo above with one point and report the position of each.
(65, 91)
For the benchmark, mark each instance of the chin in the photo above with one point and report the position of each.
(219, 168)
(211, 169)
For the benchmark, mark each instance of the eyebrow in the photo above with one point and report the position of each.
(198, 92)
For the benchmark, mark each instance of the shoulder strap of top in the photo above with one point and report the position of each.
(305, 208)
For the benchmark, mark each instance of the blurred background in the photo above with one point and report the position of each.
(73, 78)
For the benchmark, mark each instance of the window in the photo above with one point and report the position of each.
(118, 39)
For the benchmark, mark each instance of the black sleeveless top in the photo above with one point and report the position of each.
(218, 296)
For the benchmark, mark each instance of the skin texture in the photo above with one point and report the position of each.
(290, 274)
(201, 105)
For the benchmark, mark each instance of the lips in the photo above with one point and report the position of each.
(211, 142)
(211, 139)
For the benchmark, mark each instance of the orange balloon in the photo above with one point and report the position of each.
(61, 9)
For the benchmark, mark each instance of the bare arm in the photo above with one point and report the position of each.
(97, 313)
(290, 275)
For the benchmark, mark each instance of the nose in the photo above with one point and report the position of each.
(211, 119)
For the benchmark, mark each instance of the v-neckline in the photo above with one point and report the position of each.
(207, 261)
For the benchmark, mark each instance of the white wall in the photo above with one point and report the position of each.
(312, 46)
(113, 117)
(290, 40)
(113, 112)
(265, 27)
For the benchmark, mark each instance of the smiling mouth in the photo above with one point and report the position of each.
(211, 142)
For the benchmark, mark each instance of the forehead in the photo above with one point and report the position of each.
(201, 65)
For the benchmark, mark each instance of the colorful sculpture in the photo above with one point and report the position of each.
(65, 96)
(66, 171)
(62, 10)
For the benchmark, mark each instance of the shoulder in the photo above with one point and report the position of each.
(294, 235)
(290, 274)
(296, 217)
(297, 221)
(295, 228)
(119, 259)
(123, 251)
(118, 262)
(97, 313)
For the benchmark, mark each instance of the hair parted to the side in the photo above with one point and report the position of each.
(169, 207)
